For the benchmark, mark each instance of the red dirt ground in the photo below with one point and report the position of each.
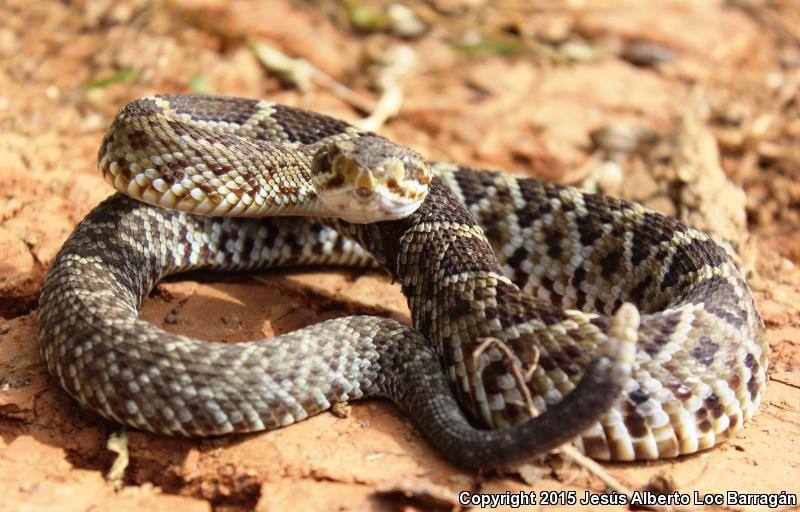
(513, 85)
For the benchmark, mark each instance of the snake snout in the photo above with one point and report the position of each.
(370, 179)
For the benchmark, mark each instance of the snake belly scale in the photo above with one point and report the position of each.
(547, 270)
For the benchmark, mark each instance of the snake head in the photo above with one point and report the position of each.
(370, 179)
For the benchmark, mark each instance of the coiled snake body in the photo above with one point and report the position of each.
(565, 262)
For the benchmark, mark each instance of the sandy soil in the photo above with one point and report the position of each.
(688, 106)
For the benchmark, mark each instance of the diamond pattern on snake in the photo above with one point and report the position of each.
(540, 313)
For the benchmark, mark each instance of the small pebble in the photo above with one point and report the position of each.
(621, 137)
(341, 409)
(647, 53)
(171, 318)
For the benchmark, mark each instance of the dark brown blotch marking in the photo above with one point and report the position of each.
(469, 182)
(489, 374)
(214, 108)
(552, 238)
(573, 351)
(600, 322)
(547, 363)
(494, 231)
(247, 245)
(549, 316)
(572, 370)
(548, 285)
(589, 230)
(599, 305)
(714, 405)
(752, 387)
(137, 139)
(637, 426)
(652, 230)
(253, 183)
(290, 239)
(638, 294)
(564, 362)
(611, 264)
(461, 307)
(691, 257)
(682, 393)
(166, 174)
(580, 299)
(126, 172)
(287, 191)
(537, 195)
(336, 181)
(639, 396)
(578, 276)
(518, 257)
(179, 128)
(305, 126)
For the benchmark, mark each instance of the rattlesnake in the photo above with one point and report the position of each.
(565, 262)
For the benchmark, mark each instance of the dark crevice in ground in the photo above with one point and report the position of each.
(13, 307)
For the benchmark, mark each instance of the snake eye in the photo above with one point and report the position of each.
(363, 192)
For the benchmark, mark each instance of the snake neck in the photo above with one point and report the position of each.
(456, 292)
(434, 248)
